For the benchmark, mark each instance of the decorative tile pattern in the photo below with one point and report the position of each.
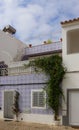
(44, 48)
(23, 84)
(24, 79)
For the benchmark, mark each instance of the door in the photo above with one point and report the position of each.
(8, 103)
(73, 106)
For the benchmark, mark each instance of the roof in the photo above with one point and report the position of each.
(70, 21)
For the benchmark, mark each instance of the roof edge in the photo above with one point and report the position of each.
(69, 21)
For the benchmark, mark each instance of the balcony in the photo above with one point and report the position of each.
(16, 68)
(43, 49)
(16, 71)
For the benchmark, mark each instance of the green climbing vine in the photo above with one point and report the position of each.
(15, 107)
(53, 68)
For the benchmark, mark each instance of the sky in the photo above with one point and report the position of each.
(36, 21)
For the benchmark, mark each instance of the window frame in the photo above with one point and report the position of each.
(71, 45)
(38, 90)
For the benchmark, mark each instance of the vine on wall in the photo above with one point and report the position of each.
(53, 68)
(15, 107)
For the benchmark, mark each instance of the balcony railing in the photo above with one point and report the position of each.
(16, 71)
(44, 48)
(19, 70)
(16, 68)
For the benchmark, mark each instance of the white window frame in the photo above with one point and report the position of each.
(38, 90)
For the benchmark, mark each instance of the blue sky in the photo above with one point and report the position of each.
(37, 20)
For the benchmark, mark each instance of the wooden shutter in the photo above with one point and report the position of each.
(41, 99)
(8, 103)
(38, 99)
(35, 99)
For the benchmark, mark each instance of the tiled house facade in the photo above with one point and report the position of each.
(29, 85)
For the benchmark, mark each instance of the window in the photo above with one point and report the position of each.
(73, 41)
(38, 98)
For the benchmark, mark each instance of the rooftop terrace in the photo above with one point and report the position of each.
(44, 49)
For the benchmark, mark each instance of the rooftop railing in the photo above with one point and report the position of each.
(44, 48)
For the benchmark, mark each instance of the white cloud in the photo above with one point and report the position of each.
(37, 20)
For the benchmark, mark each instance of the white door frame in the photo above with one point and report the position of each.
(68, 92)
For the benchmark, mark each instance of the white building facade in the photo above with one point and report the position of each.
(70, 55)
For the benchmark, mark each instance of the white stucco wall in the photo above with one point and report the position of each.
(70, 60)
(9, 47)
(35, 118)
(71, 81)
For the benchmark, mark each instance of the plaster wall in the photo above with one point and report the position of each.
(69, 60)
(9, 47)
(71, 81)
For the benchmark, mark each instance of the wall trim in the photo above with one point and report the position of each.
(72, 72)
(21, 84)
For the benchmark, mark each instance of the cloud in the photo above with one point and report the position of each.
(37, 20)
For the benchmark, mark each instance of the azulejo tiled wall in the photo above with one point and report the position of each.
(43, 48)
(24, 84)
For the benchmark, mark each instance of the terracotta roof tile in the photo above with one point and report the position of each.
(70, 21)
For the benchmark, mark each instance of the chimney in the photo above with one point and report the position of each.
(9, 29)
